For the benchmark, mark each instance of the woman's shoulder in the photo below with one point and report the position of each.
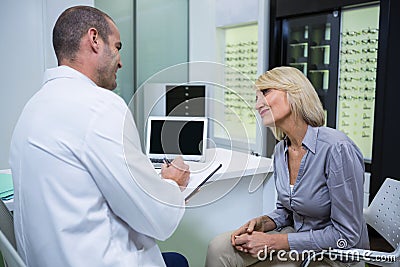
(336, 139)
(332, 136)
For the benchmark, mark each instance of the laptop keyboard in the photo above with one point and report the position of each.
(162, 160)
(157, 160)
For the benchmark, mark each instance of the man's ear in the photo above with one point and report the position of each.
(94, 39)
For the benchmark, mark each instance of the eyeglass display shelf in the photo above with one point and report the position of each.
(320, 47)
(298, 44)
(299, 60)
(319, 67)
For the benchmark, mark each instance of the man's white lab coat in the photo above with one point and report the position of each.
(85, 194)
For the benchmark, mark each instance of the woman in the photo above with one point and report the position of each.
(319, 175)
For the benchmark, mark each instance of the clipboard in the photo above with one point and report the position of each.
(196, 189)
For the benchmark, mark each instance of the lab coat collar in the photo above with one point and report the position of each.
(64, 72)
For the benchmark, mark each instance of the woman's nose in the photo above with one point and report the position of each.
(259, 101)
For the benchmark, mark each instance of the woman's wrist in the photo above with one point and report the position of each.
(267, 224)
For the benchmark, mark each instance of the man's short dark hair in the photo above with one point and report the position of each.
(72, 24)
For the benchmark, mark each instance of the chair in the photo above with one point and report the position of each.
(383, 214)
(10, 255)
(7, 238)
(7, 223)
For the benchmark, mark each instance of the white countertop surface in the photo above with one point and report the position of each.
(234, 165)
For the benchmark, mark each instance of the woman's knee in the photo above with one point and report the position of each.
(220, 244)
(219, 251)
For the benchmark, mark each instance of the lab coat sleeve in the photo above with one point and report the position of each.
(126, 177)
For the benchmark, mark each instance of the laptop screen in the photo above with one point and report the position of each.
(171, 136)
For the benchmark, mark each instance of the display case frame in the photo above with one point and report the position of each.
(384, 160)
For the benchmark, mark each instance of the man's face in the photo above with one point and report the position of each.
(110, 60)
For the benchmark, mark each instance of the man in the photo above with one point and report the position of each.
(85, 194)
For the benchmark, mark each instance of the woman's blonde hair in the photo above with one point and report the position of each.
(301, 95)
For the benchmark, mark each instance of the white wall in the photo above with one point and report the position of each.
(206, 15)
(207, 18)
(202, 31)
(25, 51)
(22, 63)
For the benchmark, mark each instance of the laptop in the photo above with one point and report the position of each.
(169, 136)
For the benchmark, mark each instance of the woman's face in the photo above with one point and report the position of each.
(273, 106)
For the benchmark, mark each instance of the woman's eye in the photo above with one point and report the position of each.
(265, 91)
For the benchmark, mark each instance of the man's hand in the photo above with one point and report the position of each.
(177, 171)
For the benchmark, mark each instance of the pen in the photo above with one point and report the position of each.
(167, 161)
